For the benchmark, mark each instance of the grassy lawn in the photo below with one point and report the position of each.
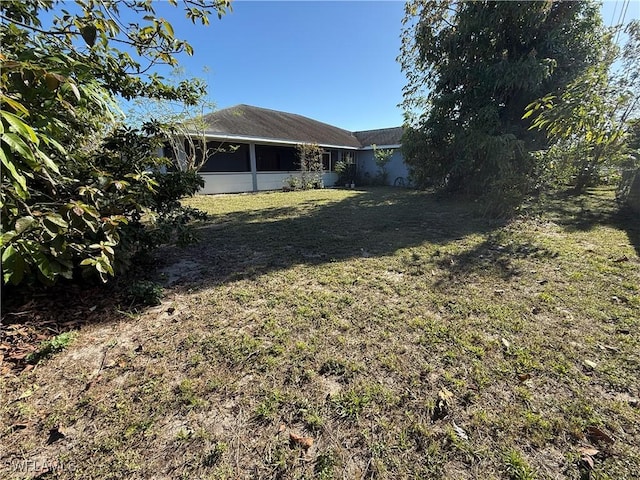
(356, 334)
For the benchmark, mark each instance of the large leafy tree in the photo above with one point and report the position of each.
(472, 68)
(75, 186)
(588, 122)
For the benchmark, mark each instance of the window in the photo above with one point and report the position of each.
(348, 158)
(276, 159)
(326, 161)
(225, 157)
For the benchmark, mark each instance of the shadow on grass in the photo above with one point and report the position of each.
(498, 254)
(254, 241)
(372, 223)
(597, 207)
(495, 257)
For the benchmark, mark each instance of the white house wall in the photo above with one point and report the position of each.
(226, 182)
(277, 180)
(243, 182)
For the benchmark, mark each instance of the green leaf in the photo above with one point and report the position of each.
(13, 266)
(52, 142)
(168, 27)
(25, 223)
(20, 127)
(74, 89)
(57, 220)
(100, 267)
(44, 265)
(20, 182)
(17, 106)
(50, 164)
(18, 145)
(7, 237)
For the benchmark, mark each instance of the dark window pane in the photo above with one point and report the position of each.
(276, 159)
(227, 158)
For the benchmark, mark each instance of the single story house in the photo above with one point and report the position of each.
(255, 149)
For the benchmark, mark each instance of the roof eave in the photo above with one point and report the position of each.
(270, 141)
(378, 147)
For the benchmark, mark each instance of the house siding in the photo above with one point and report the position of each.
(220, 182)
(368, 170)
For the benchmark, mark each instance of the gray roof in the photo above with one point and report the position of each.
(256, 122)
(382, 136)
(249, 121)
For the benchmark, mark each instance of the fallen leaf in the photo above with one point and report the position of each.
(587, 461)
(588, 450)
(506, 343)
(523, 377)
(298, 440)
(282, 428)
(590, 364)
(459, 431)
(609, 348)
(596, 433)
(445, 395)
(441, 408)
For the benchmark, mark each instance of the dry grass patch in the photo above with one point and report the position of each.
(357, 334)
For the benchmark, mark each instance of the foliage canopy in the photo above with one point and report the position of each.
(591, 117)
(472, 68)
(80, 191)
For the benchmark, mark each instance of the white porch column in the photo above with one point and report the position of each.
(254, 169)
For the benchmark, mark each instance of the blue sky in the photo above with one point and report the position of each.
(331, 61)
(334, 61)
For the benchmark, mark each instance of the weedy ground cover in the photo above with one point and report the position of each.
(381, 333)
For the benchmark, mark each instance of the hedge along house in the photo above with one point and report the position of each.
(254, 149)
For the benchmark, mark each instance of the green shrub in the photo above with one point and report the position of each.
(109, 204)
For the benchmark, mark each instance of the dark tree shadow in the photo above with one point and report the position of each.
(494, 256)
(597, 207)
(373, 223)
(498, 254)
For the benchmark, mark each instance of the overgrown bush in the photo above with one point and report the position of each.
(346, 171)
(96, 212)
(310, 162)
(80, 193)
